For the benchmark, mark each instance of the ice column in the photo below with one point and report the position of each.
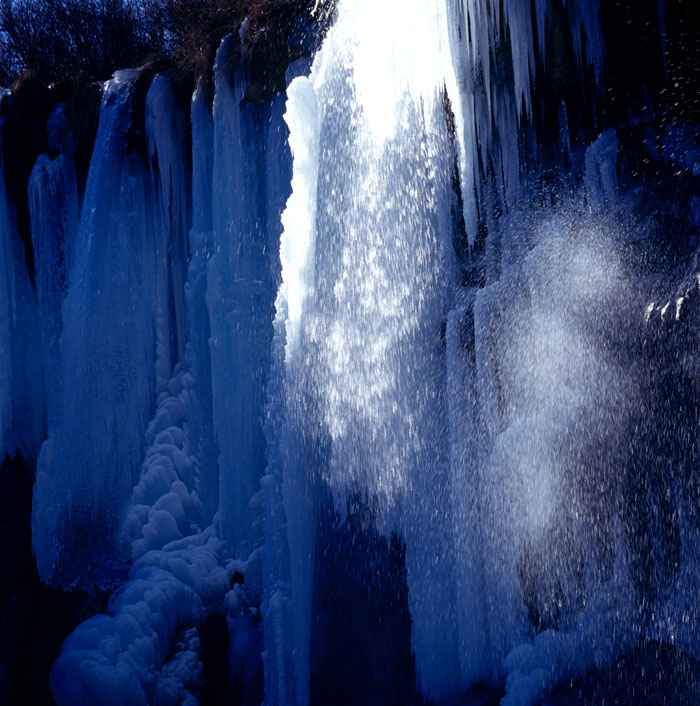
(92, 457)
(201, 422)
(170, 161)
(53, 206)
(240, 295)
(277, 607)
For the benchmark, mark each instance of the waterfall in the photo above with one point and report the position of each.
(352, 343)
(368, 275)
(369, 312)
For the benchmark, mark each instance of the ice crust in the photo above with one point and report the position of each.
(121, 657)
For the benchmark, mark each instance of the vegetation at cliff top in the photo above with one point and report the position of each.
(74, 41)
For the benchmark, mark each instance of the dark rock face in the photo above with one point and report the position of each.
(215, 644)
(361, 640)
(652, 674)
(34, 619)
(24, 138)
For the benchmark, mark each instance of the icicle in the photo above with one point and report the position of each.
(241, 284)
(586, 25)
(541, 17)
(519, 21)
(53, 206)
(277, 607)
(201, 420)
(465, 439)
(7, 319)
(87, 466)
(601, 169)
(169, 161)
(564, 138)
(661, 19)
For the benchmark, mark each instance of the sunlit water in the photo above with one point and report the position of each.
(367, 283)
(496, 429)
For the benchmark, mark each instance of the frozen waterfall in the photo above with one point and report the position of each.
(372, 339)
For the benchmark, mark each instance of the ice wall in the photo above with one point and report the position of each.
(240, 295)
(483, 42)
(193, 516)
(175, 495)
(91, 459)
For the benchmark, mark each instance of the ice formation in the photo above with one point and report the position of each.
(122, 657)
(88, 464)
(223, 338)
(54, 210)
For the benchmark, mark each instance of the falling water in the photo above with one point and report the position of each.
(431, 400)
(368, 275)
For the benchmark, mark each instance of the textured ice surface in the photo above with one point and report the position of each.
(53, 206)
(197, 349)
(89, 462)
(165, 503)
(121, 657)
(200, 427)
(241, 285)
